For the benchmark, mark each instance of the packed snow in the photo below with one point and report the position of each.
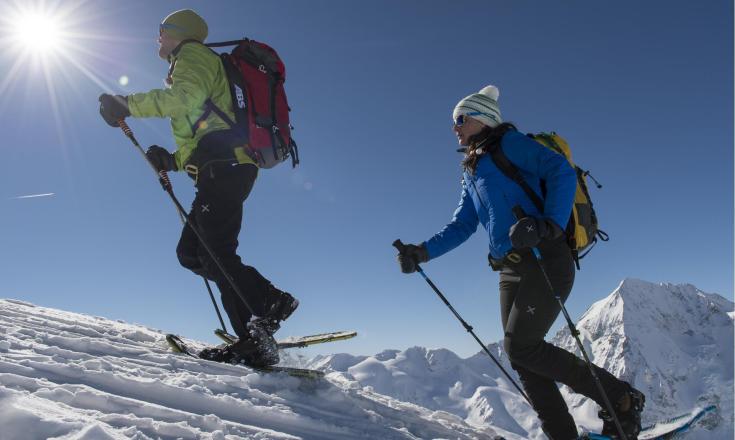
(72, 376)
(69, 376)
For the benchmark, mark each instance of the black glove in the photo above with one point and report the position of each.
(529, 231)
(161, 158)
(410, 256)
(113, 108)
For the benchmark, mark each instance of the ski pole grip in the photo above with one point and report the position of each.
(398, 244)
(518, 212)
(125, 128)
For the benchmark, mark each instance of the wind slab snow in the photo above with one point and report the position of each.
(71, 376)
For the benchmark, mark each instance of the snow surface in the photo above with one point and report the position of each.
(70, 376)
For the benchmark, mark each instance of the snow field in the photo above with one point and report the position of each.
(71, 376)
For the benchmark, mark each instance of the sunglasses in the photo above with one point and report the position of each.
(461, 119)
(163, 26)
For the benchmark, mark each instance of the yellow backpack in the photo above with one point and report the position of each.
(582, 230)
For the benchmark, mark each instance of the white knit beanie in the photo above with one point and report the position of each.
(482, 106)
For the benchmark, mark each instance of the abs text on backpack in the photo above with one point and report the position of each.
(582, 230)
(256, 75)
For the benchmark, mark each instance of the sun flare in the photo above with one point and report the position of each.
(53, 48)
(38, 32)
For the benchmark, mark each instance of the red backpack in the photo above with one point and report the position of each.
(256, 75)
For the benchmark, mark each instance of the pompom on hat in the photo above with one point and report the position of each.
(185, 24)
(482, 106)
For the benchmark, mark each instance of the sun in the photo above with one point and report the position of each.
(53, 48)
(38, 32)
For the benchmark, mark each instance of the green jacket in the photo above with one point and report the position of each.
(197, 73)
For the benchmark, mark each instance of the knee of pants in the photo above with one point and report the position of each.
(187, 260)
(193, 263)
(209, 266)
(519, 351)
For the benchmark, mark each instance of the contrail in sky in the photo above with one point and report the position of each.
(33, 196)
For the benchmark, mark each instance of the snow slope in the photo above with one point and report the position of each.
(673, 342)
(474, 388)
(71, 376)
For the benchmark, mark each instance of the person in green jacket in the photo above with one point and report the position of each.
(213, 154)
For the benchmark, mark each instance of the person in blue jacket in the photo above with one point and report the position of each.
(528, 308)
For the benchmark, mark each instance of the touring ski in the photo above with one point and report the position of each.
(296, 341)
(179, 346)
(666, 429)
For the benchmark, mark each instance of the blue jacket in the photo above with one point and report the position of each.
(488, 196)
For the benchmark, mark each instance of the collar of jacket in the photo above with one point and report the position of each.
(478, 150)
(174, 53)
(172, 59)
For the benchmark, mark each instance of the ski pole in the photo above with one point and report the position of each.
(519, 214)
(214, 303)
(399, 245)
(166, 184)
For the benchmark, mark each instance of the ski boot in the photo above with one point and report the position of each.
(256, 349)
(260, 349)
(628, 409)
(217, 354)
(283, 307)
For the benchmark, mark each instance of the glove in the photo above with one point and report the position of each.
(161, 158)
(410, 256)
(113, 108)
(529, 231)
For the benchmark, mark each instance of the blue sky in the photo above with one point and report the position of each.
(643, 91)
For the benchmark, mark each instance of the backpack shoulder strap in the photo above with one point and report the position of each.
(513, 173)
(175, 52)
(227, 43)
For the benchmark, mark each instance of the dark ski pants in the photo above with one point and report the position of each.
(217, 212)
(528, 309)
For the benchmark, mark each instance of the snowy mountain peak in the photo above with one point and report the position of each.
(638, 306)
(674, 342)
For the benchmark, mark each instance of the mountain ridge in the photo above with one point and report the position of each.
(634, 332)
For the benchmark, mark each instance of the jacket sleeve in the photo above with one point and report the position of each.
(463, 225)
(560, 177)
(192, 79)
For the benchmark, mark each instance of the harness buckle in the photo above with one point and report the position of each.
(513, 257)
(192, 171)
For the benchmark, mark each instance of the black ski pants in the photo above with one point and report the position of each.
(217, 212)
(528, 310)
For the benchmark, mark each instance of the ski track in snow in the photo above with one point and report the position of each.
(71, 376)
